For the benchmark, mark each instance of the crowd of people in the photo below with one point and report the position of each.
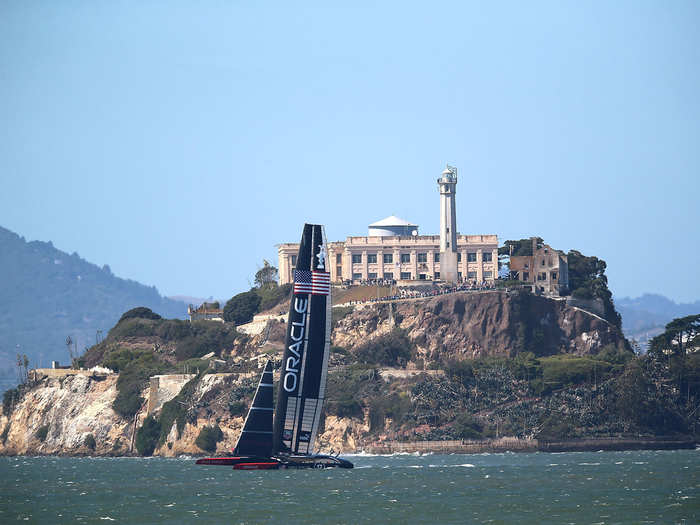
(415, 292)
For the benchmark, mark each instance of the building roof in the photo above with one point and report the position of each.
(391, 220)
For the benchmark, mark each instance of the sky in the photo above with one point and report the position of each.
(179, 142)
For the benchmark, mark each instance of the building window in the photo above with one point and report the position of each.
(488, 275)
(459, 275)
(486, 257)
(471, 275)
(338, 258)
(422, 257)
(526, 276)
(447, 244)
(371, 258)
(542, 276)
(405, 275)
(421, 276)
(371, 275)
(542, 262)
(405, 257)
(388, 275)
(388, 258)
(356, 276)
(471, 256)
(339, 271)
(459, 256)
(437, 275)
(293, 260)
(356, 258)
(554, 276)
(527, 265)
(436, 257)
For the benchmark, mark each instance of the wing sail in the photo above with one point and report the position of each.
(304, 366)
(256, 436)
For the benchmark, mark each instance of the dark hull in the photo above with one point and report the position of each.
(277, 462)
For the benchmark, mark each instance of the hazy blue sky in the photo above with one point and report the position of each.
(179, 142)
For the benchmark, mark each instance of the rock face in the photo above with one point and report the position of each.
(462, 325)
(472, 325)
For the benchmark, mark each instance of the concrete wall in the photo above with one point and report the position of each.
(164, 388)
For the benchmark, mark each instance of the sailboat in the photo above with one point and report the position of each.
(284, 436)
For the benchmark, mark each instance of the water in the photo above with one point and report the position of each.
(586, 488)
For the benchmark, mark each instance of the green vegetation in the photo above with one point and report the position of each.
(339, 313)
(10, 399)
(42, 432)
(587, 280)
(140, 312)
(147, 436)
(520, 248)
(392, 349)
(5, 433)
(682, 336)
(54, 294)
(132, 380)
(177, 409)
(90, 442)
(208, 437)
(467, 427)
(241, 308)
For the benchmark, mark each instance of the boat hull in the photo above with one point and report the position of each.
(278, 462)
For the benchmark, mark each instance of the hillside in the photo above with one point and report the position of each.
(47, 294)
(645, 316)
(461, 366)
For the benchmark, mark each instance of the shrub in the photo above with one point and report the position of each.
(132, 379)
(42, 433)
(241, 308)
(208, 437)
(5, 432)
(561, 371)
(237, 408)
(392, 349)
(467, 427)
(272, 295)
(140, 312)
(339, 313)
(10, 399)
(147, 436)
(90, 442)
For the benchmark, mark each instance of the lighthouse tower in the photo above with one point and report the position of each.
(447, 184)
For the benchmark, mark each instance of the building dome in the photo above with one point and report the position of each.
(392, 226)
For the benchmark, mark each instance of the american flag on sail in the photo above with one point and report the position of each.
(315, 283)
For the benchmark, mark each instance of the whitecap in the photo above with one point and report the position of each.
(107, 518)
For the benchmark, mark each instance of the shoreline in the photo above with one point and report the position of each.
(492, 446)
(531, 445)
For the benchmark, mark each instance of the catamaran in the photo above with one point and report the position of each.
(284, 436)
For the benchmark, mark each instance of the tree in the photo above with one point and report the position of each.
(208, 437)
(587, 280)
(266, 276)
(241, 308)
(521, 247)
(682, 336)
(147, 436)
(140, 312)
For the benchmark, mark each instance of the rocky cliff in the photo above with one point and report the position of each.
(475, 325)
(74, 415)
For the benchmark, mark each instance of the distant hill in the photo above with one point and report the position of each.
(645, 316)
(47, 294)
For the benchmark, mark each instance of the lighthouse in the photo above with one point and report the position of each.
(447, 185)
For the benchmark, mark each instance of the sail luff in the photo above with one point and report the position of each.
(305, 361)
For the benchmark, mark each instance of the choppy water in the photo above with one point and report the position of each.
(601, 488)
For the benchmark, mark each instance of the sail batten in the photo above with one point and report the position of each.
(304, 367)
